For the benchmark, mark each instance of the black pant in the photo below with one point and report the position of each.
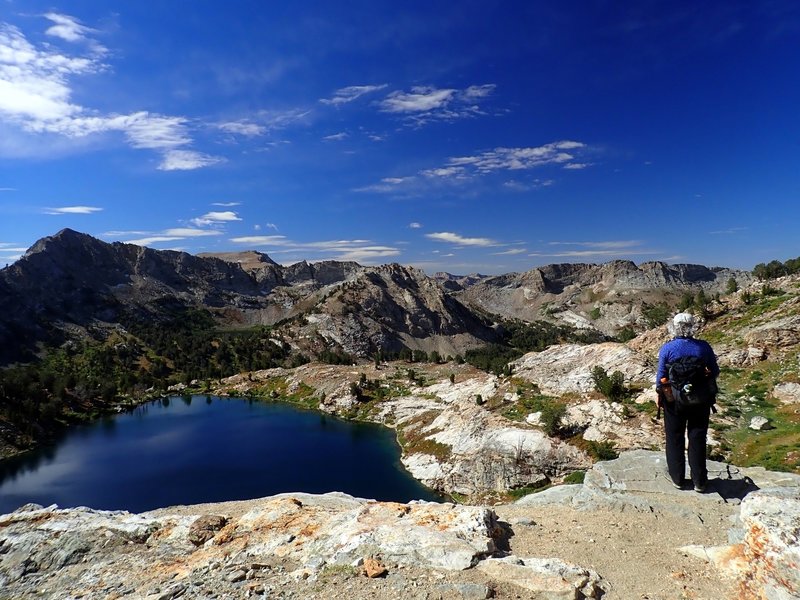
(678, 422)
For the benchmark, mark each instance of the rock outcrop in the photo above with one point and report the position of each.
(567, 368)
(337, 546)
(292, 541)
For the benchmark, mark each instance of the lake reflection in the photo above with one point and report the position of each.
(211, 449)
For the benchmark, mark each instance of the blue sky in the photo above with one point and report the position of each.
(491, 137)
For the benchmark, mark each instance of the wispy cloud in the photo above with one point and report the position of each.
(215, 217)
(362, 251)
(228, 204)
(155, 239)
(427, 103)
(346, 95)
(36, 95)
(387, 184)
(189, 232)
(511, 252)
(72, 210)
(577, 166)
(599, 249)
(187, 160)
(336, 137)
(8, 189)
(415, 225)
(458, 169)
(454, 238)
(599, 253)
(605, 244)
(729, 231)
(525, 186)
(168, 235)
(11, 251)
(244, 127)
(515, 159)
(67, 28)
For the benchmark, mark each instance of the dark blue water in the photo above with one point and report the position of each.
(208, 449)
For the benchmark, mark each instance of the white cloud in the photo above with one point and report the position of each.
(427, 103)
(149, 241)
(33, 82)
(228, 204)
(511, 252)
(730, 231)
(187, 160)
(36, 96)
(479, 91)
(454, 238)
(336, 137)
(419, 99)
(387, 184)
(272, 226)
(8, 189)
(215, 217)
(599, 253)
(577, 166)
(350, 93)
(67, 28)
(349, 250)
(261, 240)
(606, 244)
(186, 232)
(460, 168)
(522, 186)
(445, 172)
(368, 253)
(245, 128)
(415, 225)
(513, 159)
(6, 248)
(72, 210)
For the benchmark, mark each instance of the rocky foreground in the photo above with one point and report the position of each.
(625, 533)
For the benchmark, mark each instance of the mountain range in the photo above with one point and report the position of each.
(73, 286)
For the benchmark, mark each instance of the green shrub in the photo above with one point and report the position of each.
(612, 387)
(601, 450)
(575, 477)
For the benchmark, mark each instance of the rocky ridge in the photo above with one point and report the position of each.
(93, 286)
(614, 291)
(624, 533)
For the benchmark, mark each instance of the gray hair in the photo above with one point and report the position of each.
(683, 325)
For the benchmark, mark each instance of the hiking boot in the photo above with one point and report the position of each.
(700, 488)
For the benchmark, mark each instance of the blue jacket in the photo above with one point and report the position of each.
(679, 347)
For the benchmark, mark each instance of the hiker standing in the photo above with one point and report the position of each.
(686, 386)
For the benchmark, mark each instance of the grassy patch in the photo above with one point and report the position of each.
(413, 437)
(552, 410)
(521, 492)
(575, 477)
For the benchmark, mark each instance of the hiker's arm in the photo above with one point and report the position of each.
(711, 361)
(662, 366)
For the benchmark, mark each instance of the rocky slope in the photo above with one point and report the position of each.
(625, 533)
(71, 286)
(615, 291)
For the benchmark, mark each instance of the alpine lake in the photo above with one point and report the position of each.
(196, 449)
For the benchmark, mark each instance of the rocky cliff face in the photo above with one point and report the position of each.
(615, 291)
